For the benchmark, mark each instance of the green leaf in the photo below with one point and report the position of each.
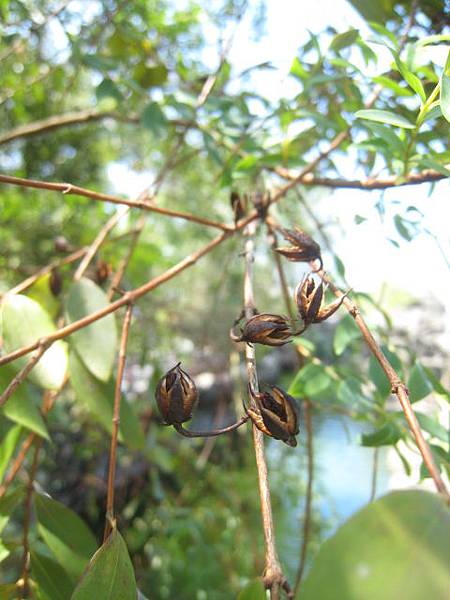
(412, 80)
(8, 503)
(148, 77)
(445, 89)
(311, 380)
(253, 591)
(428, 162)
(298, 70)
(342, 40)
(349, 392)
(108, 89)
(4, 553)
(437, 385)
(53, 582)
(67, 536)
(8, 446)
(246, 163)
(98, 398)
(433, 427)
(396, 547)
(110, 574)
(40, 292)
(154, 119)
(401, 225)
(387, 435)
(418, 383)
(21, 407)
(346, 332)
(384, 116)
(96, 344)
(25, 322)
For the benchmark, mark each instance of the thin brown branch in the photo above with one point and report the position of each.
(425, 176)
(99, 239)
(27, 519)
(68, 188)
(398, 387)
(18, 461)
(116, 422)
(24, 372)
(307, 414)
(274, 578)
(308, 500)
(28, 282)
(373, 487)
(214, 432)
(131, 296)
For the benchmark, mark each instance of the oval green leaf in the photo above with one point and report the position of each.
(98, 398)
(396, 547)
(21, 407)
(8, 446)
(97, 343)
(53, 582)
(24, 323)
(68, 537)
(384, 116)
(419, 385)
(110, 574)
(346, 332)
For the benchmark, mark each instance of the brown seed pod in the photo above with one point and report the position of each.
(309, 298)
(267, 329)
(303, 249)
(275, 414)
(102, 271)
(55, 282)
(176, 395)
(239, 206)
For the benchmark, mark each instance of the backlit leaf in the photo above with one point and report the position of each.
(384, 116)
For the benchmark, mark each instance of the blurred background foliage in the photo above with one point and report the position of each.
(129, 74)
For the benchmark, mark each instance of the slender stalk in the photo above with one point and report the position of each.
(274, 578)
(212, 433)
(307, 414)
(26, 521)
(24, 372)
(131, 296)
(373, 487)
(98, 241)
(398, 387)
(68, 188)
(308, 500)
(116, 422)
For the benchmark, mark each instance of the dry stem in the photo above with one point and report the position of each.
(213, 432)
(116, 422)
(68, 188)
(398, 387)
(274, 578)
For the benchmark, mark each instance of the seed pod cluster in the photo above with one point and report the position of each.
(308, 297)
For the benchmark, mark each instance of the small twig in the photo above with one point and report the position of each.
(398, 387)
(214, 432)
(131, 296)
(116, 422)
(308, 500)
(23, 373)
(68, 188)
(26, 521)
(274, 578)
(373, 487)
(26, 283)
(98, 241)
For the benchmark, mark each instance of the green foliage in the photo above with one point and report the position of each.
(396, 545)
(110, 574)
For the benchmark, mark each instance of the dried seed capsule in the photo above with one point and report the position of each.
(267, 329)
(55, 282)
(239, 206)
(176, 395)
(275, 414)
(102, 271)
(303, 249)
(309, 298)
